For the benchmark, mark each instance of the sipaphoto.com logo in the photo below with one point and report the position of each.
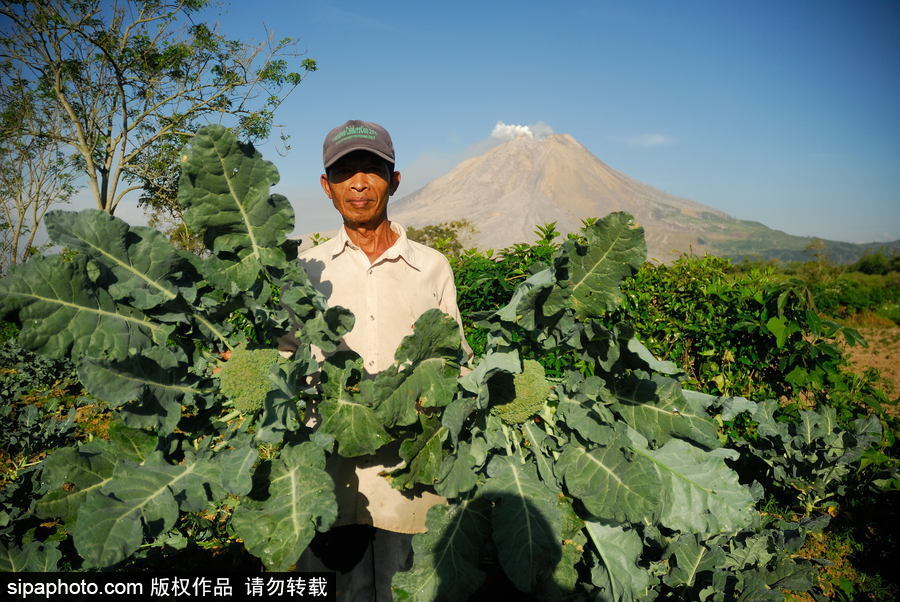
(70, 588)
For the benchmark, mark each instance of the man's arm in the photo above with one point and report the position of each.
(447, 304)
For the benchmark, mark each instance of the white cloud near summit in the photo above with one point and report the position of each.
(508, 131)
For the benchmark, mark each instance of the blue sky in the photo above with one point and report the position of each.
(780, 112)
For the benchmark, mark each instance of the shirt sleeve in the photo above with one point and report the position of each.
(447, 304)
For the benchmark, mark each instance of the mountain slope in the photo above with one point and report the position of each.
(525, 182)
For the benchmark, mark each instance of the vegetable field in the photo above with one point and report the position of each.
(607, 444)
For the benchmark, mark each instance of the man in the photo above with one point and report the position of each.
(387, 281)
(370, 267)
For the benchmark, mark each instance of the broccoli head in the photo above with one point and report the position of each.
(517, 397)
(244, 378)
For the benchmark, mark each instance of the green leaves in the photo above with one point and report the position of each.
(300, 500)
(691, 559)
(423, 455)
(656, 408)
(526, 525)
(612, 483)
(430, 384)
(812, 455)
(34, 557)
(616, 473)
(224, 188)
(703, 494)
(64, 315)
(619, 577)
(357, 411)
(109, 527)
(142, 261)
(151, 385)
(435, 334)
(352, 422)
(589, 275)
(109, 530)
(678, 485)
(581, 284)
(445, 558)
(72, 474)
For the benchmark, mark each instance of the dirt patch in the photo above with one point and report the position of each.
(883, 354)
(94, 419)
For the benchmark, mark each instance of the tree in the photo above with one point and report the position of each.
(134, 78)
(34, 175)
(876, 262)
(446, 237)
(819, 269)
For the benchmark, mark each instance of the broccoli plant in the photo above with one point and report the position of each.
(517, 397)
(610, 484)
(244, 378)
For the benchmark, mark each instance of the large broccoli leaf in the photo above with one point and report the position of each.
(71, 474)
(526, 521)
(143, 263)
(426, 371)
(525, 306)
(63, 315)
(224, 187)
(435, 334)
(611, 482)
(236, 465)
(345, 415)
(108, 528)
(619, 577)
(457, 475)
(423, 455)
(400, 396)
(691, 559)
(300, 501)
(152, 385)
(445, 558)
(32, 557)
(477, 381)
(703, 494)
(589, 275)
(654, 406)
(582, 282)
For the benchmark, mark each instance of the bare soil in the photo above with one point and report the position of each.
(882, 354)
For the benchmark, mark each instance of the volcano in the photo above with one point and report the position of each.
(526, 182)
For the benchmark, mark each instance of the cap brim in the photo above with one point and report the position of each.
(351, 149)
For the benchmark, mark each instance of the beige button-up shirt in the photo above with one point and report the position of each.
(386, 296)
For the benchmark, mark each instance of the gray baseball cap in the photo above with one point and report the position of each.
(357, 135)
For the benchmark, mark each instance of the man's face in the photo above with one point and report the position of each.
(360, 184)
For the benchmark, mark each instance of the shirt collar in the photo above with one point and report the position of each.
(401, 247)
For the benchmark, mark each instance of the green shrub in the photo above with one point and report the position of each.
(856, 292)
(877, 262)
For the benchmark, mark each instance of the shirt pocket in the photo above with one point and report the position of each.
(410, 300)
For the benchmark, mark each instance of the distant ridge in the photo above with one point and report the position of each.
(526, 182)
